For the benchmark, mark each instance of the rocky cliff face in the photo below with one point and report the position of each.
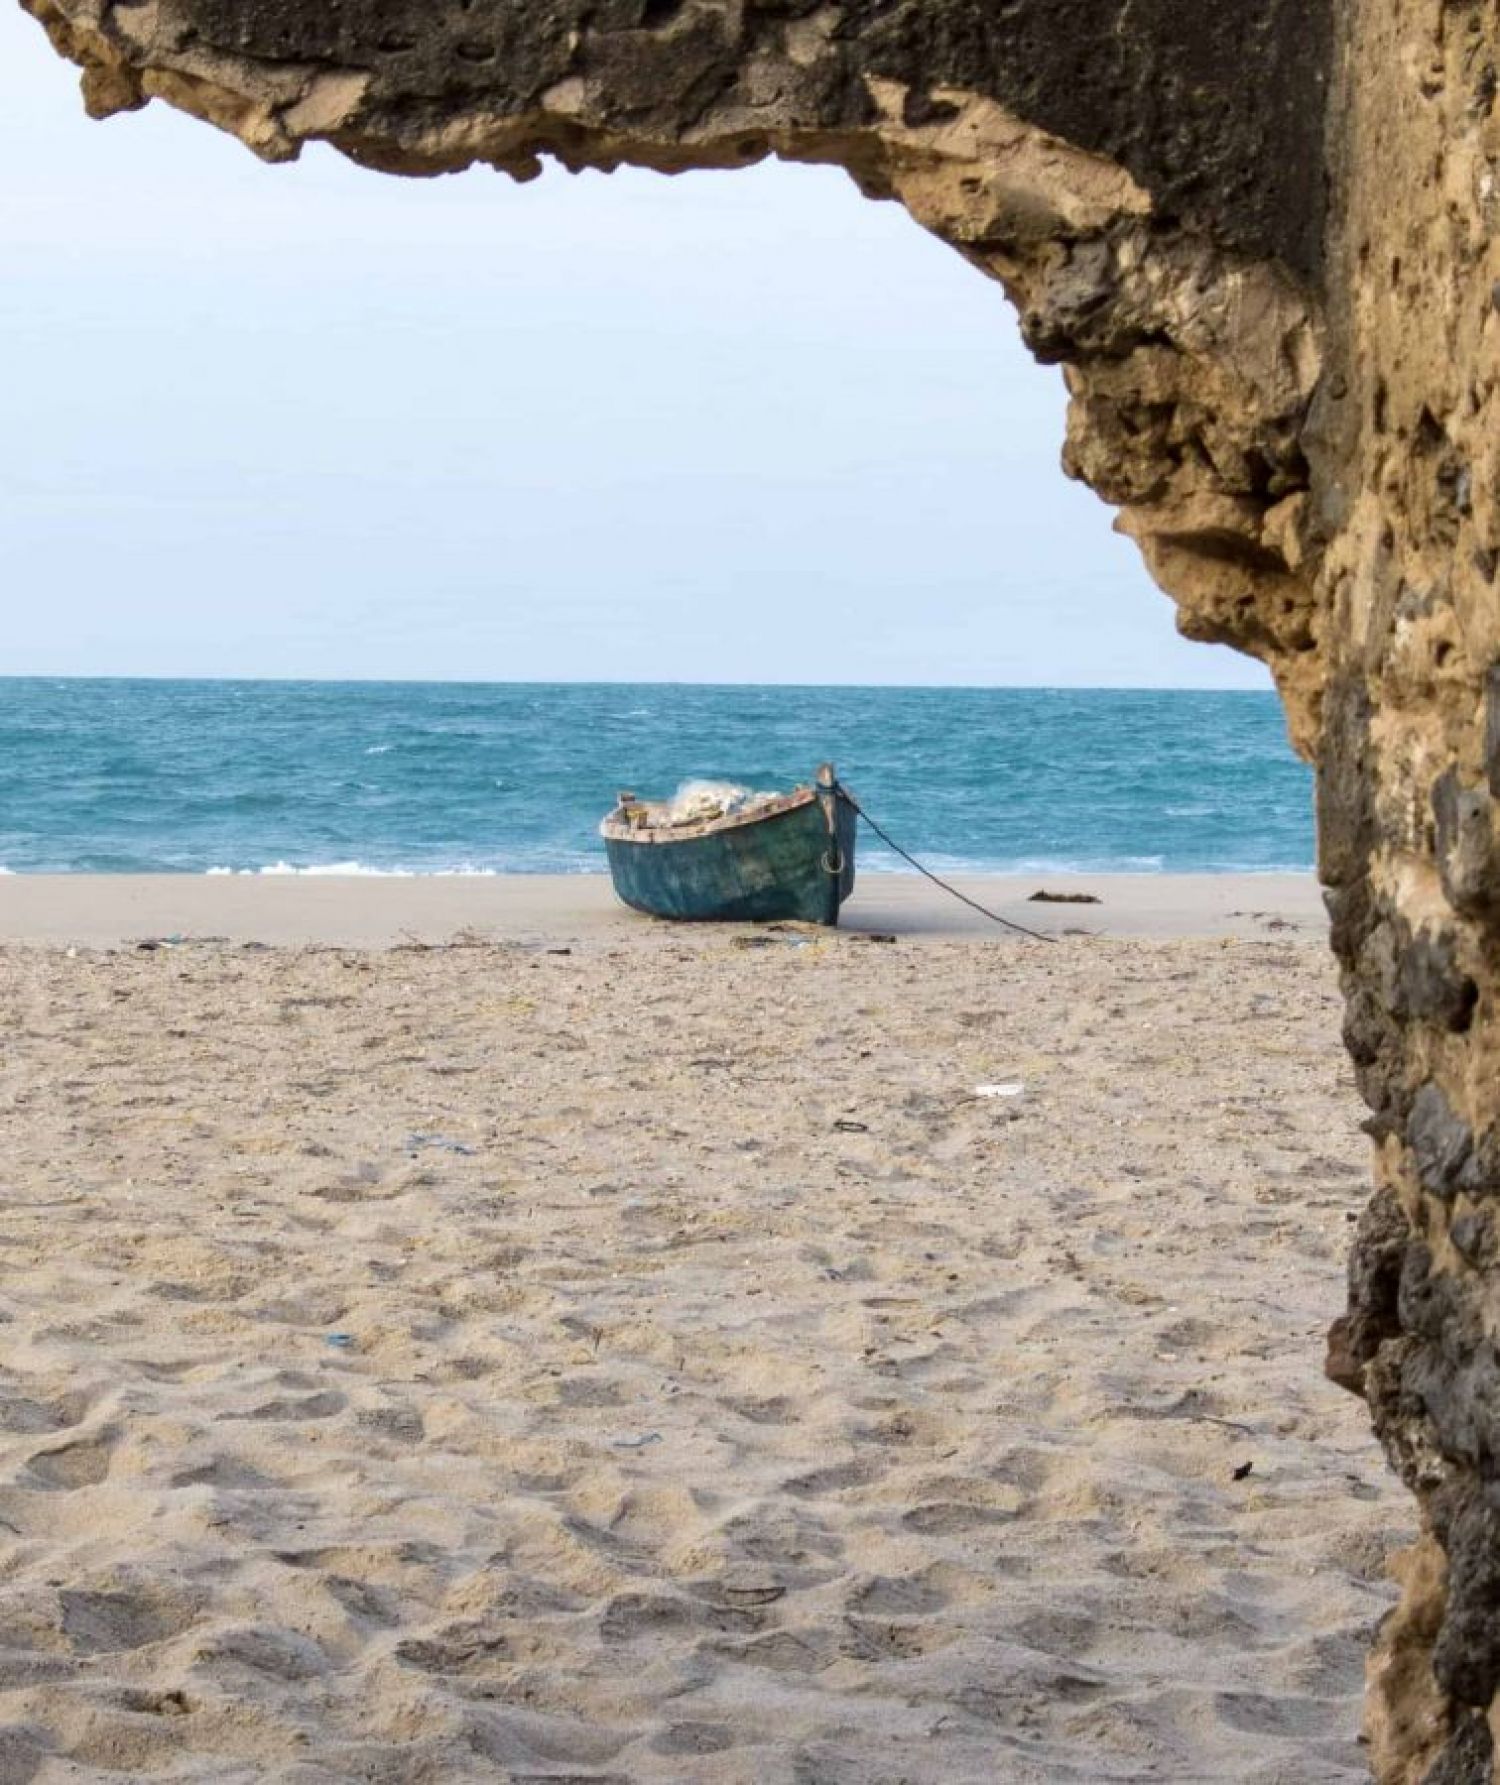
(1404, 436)
(1261, 238)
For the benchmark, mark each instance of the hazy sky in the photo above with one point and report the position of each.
(311, 421)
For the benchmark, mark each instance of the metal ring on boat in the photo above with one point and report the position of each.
(830, 865)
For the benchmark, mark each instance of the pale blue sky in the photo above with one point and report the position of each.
(311, 421)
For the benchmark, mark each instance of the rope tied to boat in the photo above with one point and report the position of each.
(890, 842)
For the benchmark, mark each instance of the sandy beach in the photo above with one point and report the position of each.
(559, 1346)
(376, 911)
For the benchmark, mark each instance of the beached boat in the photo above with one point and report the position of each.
(788, 856)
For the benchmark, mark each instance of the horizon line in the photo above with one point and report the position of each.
(375, 681)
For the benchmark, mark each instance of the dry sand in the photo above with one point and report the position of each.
(653, 1362)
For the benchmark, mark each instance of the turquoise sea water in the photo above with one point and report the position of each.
(143, 776)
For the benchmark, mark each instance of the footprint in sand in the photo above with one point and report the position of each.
(404, 1424)
(774, 1410)
(695, 1738)
(367, 1604)
(948, 1504)
(947, 1518)
(223, 1472)
(836, 1478)
(23, 1753)
(921, 1595)
(629, 1616)
(887, 1639)
(83, 1463)
(782, 1651)
(277, 1654)
(318, 1406)
(25, 1416)
(458, 1649)
(101, 1623)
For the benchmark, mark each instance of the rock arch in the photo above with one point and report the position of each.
(1261, 238)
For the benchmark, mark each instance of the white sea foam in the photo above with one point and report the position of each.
(880, 861)
(886, 864)
(881, 866)
(379, 749)
(358, 869)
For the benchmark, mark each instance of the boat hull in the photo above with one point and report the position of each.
(769, 869)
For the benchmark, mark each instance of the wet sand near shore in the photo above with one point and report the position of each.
(650, 1355)
(102, 909)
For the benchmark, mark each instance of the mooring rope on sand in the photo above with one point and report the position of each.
(906, 855)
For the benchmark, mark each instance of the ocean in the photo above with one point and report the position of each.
(199, 777)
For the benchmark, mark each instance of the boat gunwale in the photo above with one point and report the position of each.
(615, 832)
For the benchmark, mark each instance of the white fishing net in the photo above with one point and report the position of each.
(696, 802)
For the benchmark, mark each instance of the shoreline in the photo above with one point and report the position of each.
(109, 910)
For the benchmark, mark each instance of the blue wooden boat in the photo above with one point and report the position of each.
(790, 858)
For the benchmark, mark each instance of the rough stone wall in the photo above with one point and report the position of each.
(1405, 439)
(1259, 236)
